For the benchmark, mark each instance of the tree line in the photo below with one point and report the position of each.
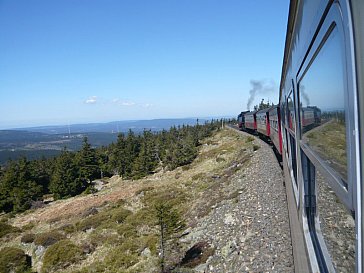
(24, 182)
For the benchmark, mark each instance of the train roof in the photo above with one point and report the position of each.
(267, 109)
(242, 113)
(250, 113)
(263, 111)
(287, 47)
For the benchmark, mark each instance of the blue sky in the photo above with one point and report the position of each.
(71, 61)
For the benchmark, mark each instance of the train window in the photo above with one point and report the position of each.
(285, 142)
(337, 226)
(283, 120)
(293, 157)
(290, 113)
(322, 105)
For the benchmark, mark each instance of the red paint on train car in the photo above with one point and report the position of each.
(250, 121)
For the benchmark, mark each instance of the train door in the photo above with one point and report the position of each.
(328, 151)
(290, 135)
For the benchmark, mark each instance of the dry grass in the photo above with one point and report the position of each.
(329, 141)
(188, 187)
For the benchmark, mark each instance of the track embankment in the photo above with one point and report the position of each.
(250, 233)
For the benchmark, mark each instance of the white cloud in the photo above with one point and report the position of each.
(127, 103)
(147, 105)
(120, 102)
(91, 100)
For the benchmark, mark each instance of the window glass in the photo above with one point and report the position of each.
(322, 104)
(293, 156)
(290, 113)
(337, 227)
(283, 109)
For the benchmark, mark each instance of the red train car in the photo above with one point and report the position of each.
(263, 126)
(307, 116)
(251, 121)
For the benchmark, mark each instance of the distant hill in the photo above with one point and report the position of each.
(114, 126)
(48, 141)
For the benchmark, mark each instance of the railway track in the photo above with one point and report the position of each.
(250, 233)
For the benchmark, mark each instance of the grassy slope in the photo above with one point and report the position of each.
(124, 226)
(329, 141)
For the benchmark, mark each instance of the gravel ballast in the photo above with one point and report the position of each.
(250, 233)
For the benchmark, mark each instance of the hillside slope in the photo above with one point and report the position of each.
(216, 205)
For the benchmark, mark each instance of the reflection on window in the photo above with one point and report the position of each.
(337, 227)
(290, 113)
(322, 104)
(283, 109)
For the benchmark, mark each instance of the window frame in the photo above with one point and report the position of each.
(291, 141)
(344, 191)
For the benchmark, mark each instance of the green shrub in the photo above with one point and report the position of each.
(119, 215)
(60, 255)
(106, 237)
(7, 229)
(92, 221)
(27, 238)
(127, 231)
(150, 241)
(48, 238)
(144, 189)
(172, 196)
(141, 217)
(119, 259)
(14, 260)
(67, 228)
(132, 245)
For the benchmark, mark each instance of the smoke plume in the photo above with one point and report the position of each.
(304, 95)
(261, 87)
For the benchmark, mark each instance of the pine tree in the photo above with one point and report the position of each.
(262, 105)
(65, 181)
(18, 188)
(131, 151)
(87, 163)
(41, 171)
(169, 222)
(146, 161)
(118, 155)
(103, 157)
(7, 184)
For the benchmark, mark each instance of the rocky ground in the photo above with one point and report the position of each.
(249, 233)
(231, 197)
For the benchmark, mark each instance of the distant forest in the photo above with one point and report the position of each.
(24, 182)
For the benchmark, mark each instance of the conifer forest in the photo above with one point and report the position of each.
(25, 183)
